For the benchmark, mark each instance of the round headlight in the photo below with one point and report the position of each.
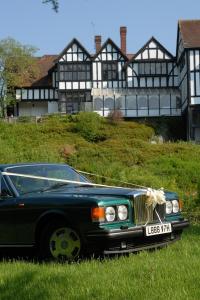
(175, 206)
(168, 207)
(122, 212)
(110, 214)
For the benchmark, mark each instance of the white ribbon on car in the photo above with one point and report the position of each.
(59, 180)
(155, 197)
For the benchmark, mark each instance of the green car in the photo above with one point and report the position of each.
(62, 214)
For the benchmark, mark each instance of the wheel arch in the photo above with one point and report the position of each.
(48, 217)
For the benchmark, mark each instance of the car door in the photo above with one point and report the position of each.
(7, 214)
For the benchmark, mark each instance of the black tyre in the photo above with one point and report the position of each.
(60, 242)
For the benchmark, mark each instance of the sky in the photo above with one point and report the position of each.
(33, 23)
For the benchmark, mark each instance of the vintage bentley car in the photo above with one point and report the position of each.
(55, 209)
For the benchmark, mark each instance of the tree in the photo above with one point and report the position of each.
(18, 66)
(55, 4)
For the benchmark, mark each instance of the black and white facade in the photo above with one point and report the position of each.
(151, 83)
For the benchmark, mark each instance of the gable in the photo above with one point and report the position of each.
(74, 52)
(153, 50)
(110, 52)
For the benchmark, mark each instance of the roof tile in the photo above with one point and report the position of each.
(190, 32)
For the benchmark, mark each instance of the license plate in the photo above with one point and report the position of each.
(158, 229)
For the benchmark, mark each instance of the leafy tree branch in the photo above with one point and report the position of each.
(55, 4)
(18, 67)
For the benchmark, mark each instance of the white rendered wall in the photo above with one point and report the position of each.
(33, 109)
(52, 107)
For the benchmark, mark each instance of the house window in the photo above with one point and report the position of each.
(109, 71)
(196, 118)
(75, 72)
(152, 68)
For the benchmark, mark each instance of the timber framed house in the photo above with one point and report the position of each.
(149, 84)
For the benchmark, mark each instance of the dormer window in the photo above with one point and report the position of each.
(109, 71)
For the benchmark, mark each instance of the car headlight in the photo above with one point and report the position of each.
(122, 212)
(175, 206)
(168, 207)
(110, 214)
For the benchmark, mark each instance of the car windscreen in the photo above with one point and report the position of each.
(28, 185)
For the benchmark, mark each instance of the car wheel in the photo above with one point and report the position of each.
(60, 242)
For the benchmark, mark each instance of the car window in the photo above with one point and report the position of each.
(4, 190)
(26, 185)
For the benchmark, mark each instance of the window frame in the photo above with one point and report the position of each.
(110, 63)
(9, 192)
(75, 72)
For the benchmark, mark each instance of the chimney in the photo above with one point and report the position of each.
(123, 31)
(97, 42)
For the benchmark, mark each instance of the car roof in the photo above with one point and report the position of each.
(3, 167)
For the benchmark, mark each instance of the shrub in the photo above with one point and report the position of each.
(67, 150)
(90, 126)
(115, 116)
(24, 119)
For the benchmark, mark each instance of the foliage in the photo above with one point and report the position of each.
(17, 67)
(122, 152)
(90, 126)
(126, 154)
(115, 116)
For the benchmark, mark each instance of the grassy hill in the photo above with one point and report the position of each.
(121, 151)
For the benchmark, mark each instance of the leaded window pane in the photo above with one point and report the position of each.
(147, 68)
(109, 71)
(154, 102)
(109, 104)
(142, 102)
(62, 76)
(164, 69)
(131, 102)
(120, 102)
(75, 71)
(153, 68)
(158, 68)
(165, 101)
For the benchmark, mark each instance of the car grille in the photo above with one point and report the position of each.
(146, 214)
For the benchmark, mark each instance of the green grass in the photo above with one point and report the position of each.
(169, 273)
(124, 152)
(121, 151)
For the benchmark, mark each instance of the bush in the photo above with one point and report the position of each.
(24, 119)
(67, 151)
(115, 116)
(90, 126)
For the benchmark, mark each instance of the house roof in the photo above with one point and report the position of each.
(109, 41)
(73, 41)
(45, 64)
(190, 33)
